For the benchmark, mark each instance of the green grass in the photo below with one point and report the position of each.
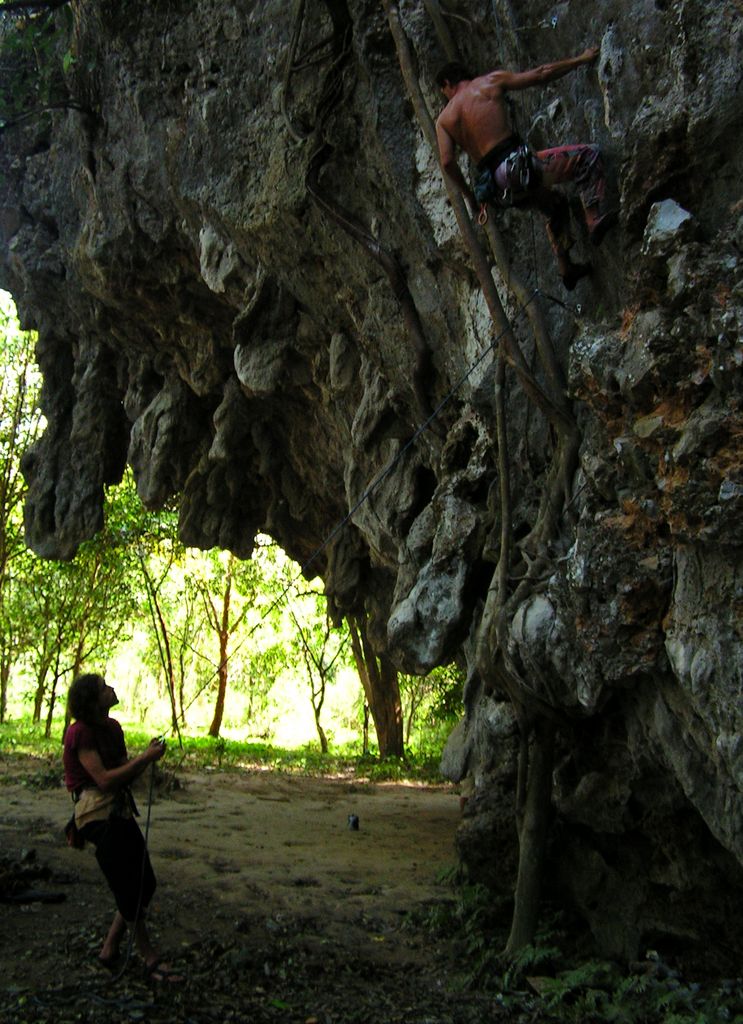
(24, 738)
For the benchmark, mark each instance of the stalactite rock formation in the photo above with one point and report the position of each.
(203, 318)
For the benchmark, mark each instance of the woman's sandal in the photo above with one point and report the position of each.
(163, 973)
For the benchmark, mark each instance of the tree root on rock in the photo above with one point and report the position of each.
(538, 717)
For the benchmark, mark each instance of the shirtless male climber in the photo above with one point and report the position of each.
(476, 119)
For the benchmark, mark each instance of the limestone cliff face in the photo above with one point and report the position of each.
(249, 285)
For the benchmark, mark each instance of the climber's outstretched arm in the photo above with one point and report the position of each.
(544, 73)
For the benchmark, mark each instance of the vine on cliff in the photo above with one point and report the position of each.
(332, 90)
(494, 665)
(35, 60)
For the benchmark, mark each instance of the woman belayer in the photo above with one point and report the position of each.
(97, 772)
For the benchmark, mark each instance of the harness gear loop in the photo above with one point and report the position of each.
(519, 174)
(482, 217)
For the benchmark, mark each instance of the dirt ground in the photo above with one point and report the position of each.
(271, 905)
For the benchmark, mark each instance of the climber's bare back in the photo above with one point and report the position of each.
(476, 117)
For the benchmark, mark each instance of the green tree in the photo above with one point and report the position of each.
(78, 610)
(20, 424)
(244, 603)
(14, 637)
(226, 593)
(431, 704)
(262, 665)
(381, 686)
(188, 631)
(318, 645)
(158, 551)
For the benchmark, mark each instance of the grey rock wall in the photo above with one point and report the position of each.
(204, 319)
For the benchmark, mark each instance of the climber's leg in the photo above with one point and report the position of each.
(555, 208)
(583, 165)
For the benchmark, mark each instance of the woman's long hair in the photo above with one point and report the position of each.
(82, 698)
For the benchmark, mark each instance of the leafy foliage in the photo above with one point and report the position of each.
(35, 58)
(20, 423)
(544, 982)
(319, 647)
(433, 705)
(23, 737)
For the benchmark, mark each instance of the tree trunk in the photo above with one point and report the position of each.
(216, 725)
(318, 699)
(365, 731)
(4, 683)
(40, 692)
(50, 712)
(388, 722)
(160, 627)
(321, 732)
(170, 674)
(533, 828)
(224, 636)
(182, 686)
(79, 653)
(52, 696)
(379, 679)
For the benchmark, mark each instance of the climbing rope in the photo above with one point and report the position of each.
(523, 117)
(135, 922)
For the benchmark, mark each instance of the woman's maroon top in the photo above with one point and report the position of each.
(107, 738)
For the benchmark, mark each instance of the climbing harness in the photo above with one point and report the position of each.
(506, 183)
(520, 174)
